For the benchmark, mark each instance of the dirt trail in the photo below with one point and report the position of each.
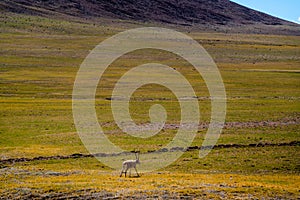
(253, 124)
(191, 148)
(227, 125)
(282, 122)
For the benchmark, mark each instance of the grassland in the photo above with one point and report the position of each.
(39, 59)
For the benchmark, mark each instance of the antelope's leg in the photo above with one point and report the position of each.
(122, 171)
(136, 171)
(126, 171)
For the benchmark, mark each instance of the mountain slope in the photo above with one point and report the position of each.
(178, 12)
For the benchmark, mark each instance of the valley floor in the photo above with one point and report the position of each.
(42, 156)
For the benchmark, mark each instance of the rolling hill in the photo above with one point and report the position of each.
(207, 14)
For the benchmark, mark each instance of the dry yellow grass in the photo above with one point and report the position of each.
(38, 65)
(213, 185)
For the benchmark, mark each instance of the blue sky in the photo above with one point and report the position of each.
(285, 9)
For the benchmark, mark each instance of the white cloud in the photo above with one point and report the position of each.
(299, 20)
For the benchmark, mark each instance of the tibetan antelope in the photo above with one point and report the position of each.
(128, 164)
